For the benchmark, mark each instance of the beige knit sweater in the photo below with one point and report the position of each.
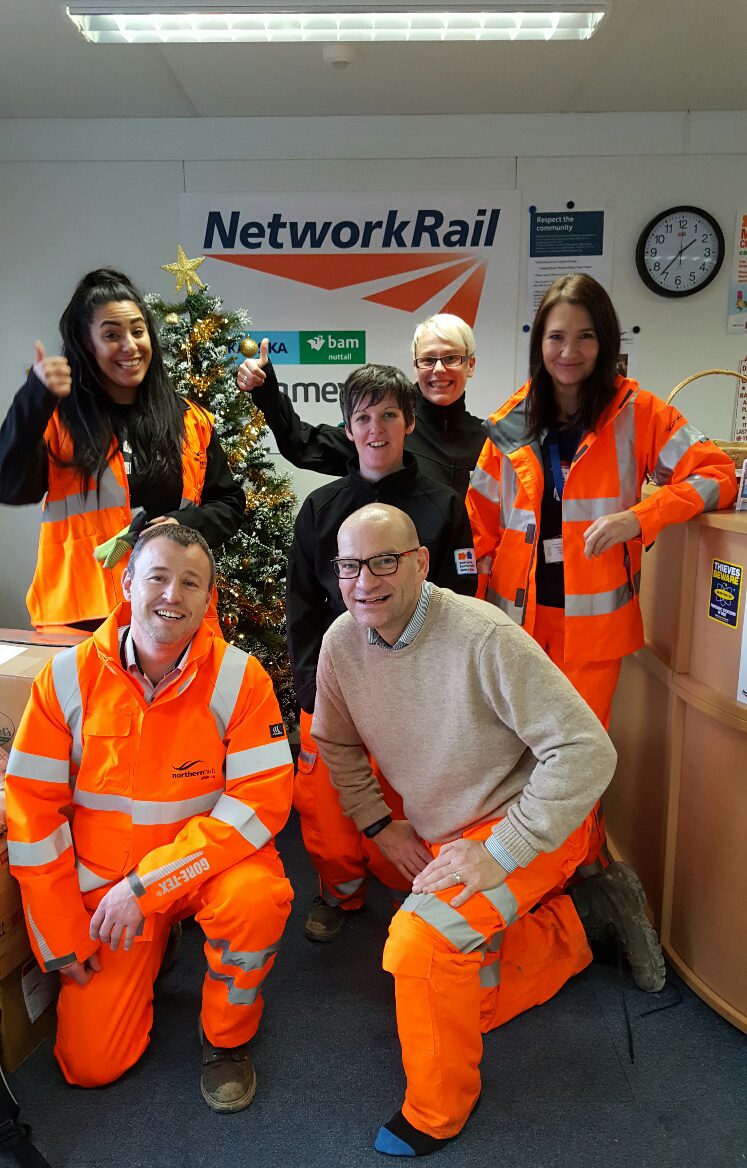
(471, 722)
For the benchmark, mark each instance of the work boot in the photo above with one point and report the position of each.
(16, 1149)
(614, 903)
(228, 1081)
(325, 921)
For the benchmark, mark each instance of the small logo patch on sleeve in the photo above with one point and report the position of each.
(465, 561)
(277, 731)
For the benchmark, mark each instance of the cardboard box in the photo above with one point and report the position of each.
(14, 942)
(28, 1012)
(22, 655)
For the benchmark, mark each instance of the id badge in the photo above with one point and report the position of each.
(553, 550)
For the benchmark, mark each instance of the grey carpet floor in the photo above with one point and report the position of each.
(559, 1087)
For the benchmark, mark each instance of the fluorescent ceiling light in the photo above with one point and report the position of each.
(131, 21)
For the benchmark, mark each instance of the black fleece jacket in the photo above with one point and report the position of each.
(446, 440)
(313, 599)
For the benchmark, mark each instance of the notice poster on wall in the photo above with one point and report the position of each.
(736, 318)
(566, 242)
(335, 280)
(739, 426)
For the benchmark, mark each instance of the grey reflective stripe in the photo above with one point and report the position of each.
(35, 766)
(445, 920)
(256, 759)
(59, 962)
(587, 510)
(145, 813)
(308, 757)
(515, 611)
(350, 886)
(236, 996)
(248, 960)
(490, 975)
(44, 851)
(503, 899)
(601, 603)
(185, 503)
(110, 494)
(673, 451)
(227, 686)
(509, 433)
(520, 520)
(244, 819)
(707, 489)
(485, 485)
(496, 941)
(67, 689)
(509, 486)
(162, 872)
(627, 463)
(46, 952)
(136, 884)
(88, 880)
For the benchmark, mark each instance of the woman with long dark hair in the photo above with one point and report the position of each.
(100, 434)
(555, 501)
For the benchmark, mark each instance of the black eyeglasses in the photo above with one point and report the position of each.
(385, 564)
(449, 361)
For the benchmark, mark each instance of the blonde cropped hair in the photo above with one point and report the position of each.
(449, 328)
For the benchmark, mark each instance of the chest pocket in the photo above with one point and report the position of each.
(106, 764)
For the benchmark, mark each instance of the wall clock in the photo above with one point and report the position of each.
(680, 251)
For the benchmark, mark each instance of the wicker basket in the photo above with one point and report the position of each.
(737, 451)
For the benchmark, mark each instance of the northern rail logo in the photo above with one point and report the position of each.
(411, 260)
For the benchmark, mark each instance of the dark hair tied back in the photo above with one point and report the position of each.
(158, 423)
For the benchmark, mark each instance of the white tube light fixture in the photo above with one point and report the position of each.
(133, 22)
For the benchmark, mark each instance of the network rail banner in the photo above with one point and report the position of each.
(337, 280)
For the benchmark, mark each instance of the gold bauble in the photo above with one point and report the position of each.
(248, 347)
(171, 318)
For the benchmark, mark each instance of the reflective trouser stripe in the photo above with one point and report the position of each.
(89, 881)
(337, 893)
(236, 996)
(308, 757)
(448, 921)
(248, 961)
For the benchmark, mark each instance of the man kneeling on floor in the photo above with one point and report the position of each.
(498, 762)
(148, 779)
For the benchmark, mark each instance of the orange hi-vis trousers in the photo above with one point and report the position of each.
(104, 1026)
(596, 682)
(459, 973)
(341, 855)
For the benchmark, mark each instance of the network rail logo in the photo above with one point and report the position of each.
(411, 260)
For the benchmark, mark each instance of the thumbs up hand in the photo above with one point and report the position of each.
(53, 372)
(252, 371)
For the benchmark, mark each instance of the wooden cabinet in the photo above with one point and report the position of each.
(677, 807)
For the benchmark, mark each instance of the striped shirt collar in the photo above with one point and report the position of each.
(413, 626)
(131, 662)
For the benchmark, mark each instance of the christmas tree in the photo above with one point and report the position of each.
(202, 347)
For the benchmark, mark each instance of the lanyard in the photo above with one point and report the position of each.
(557, 470)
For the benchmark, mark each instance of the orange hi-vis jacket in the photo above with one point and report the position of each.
(638, 436)
(69, 585)
(100, 785)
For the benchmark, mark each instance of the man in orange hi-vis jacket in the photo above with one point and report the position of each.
(148, 779)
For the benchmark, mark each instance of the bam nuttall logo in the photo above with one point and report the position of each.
(325, 348)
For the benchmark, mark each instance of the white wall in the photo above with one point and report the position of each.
(76, 195)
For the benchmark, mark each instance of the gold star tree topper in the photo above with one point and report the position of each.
(185, 271)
